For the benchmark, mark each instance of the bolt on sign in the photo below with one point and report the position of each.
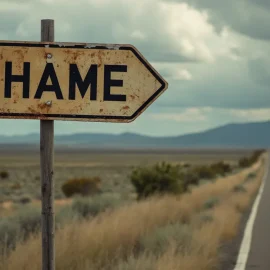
(82, 82)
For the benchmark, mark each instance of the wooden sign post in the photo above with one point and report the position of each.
(51, 80)
(46, 169)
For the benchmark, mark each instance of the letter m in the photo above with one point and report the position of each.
(83, 85)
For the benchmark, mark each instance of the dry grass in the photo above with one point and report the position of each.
(109, 241)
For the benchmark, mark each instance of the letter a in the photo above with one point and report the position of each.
(49, 72)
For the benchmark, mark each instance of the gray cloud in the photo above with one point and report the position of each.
(152, 28)
(251, 18)
(259, 70)
(224, 84)
(262, 3)
(9, 23)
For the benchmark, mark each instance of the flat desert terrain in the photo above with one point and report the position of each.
(112, 166)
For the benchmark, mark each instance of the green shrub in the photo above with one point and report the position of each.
(82, 186)
(29, 220)
(221, 168)
(239, 188)
(204, 172)
(250, 177)
(248, 161)
(190, 178)
(159, 239)
(244, 162)
(25, 199)
(86, 207)
(4, 174)
(201, 218)
(65, 215)
(9, 234)
(256, 155)
(19, 227)
(157, 180)
(211, 203)
(186, 165)
(206, 218)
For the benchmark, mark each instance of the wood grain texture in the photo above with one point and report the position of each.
(46, 166)
(47, 30)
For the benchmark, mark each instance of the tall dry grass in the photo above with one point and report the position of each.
(110, 241)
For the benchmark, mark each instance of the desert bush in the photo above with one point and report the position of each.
(159, 239)
(245, 162)
(4, 174)
(157, 180)
(204, 172)
(65, 215)
(211, 203)
(25, 199)
(190, 178)
(250, 177)
(166, 178)
(211, 171)
(186, 165)
(239, 188)
(9, 233)
(205, 218)
(256, 155)
(221, 168)
(87, 207)
(202, 218)
(19, 227)
(81, 186)
(29, 220)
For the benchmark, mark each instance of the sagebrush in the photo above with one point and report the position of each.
(82, 186)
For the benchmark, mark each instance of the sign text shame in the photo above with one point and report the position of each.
(83, 84)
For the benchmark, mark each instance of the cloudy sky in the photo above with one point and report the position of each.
(215, 55)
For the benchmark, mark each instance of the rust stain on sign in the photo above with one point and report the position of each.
(71, 81)
(125, 108)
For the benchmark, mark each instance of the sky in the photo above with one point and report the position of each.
(215, 55)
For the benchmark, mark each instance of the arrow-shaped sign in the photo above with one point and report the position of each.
(83, 82)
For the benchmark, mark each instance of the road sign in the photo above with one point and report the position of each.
(75, 81)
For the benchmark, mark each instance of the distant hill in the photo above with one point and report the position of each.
(247, 135)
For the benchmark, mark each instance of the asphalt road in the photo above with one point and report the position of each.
(259, 254)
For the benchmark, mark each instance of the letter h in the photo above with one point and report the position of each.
(25, 79)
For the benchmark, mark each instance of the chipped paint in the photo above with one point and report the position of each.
(60, 44)
(113, 47)
(90, 46)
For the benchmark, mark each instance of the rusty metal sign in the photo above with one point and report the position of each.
(82, 82)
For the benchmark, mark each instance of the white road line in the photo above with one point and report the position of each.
(246, 241)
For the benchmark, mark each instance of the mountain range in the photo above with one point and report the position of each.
(244, 135)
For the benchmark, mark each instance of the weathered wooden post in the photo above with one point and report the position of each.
(46, 167)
